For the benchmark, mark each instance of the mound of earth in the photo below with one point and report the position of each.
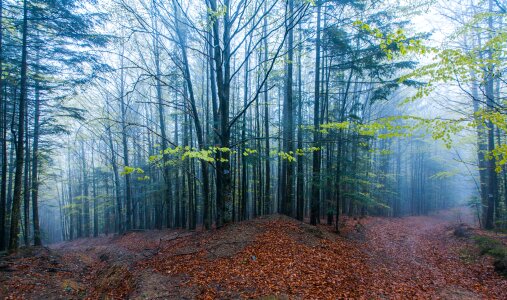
(272, 257)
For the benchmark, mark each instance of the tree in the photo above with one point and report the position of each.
(195, 115)
(16, 202)
(315, 194)
(35, 165)
(491, 164)
(288, 116)
(3, 121)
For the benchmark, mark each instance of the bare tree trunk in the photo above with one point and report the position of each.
(179, 187)
(244, 164)
(166, 194)
(397, 200)
(61, 202)
(118, 214)
(315, 200)
(35, 165)
(85, 199)
(214, 106)
(258, 202)
(26, 186)
(196, 119)
(267, 186)
(300, 168)
(16, 201)
(491, 163)
(95, 204)
(222, 74)
(124, 138)
(3, 120)
(71, 200)
(288, 117)
(107, 215)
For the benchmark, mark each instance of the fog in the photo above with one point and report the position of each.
(196, 114)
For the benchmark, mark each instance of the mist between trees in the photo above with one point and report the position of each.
(138, 114)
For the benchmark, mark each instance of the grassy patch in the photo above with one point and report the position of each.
(490, 246)
(495, 249)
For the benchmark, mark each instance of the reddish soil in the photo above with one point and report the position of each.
(267, 258)
(419, 257)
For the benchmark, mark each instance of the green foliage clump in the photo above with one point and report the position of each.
(490, 246)
(495, 249)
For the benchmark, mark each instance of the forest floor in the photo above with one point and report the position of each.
(272, 257)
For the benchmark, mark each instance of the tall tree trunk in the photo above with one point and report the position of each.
(106, 201)
(179, 187)
(16, 201)
(482, 147)
(12, 164)
(214, 106)
(196, 119)
(315, 200)
(61, 203)
(26, 186)
(124, 138)
(3, 120)
(117, 185)
(71, 200)
(244, 164)
(186, 198)
(288, 118)
(397, 199)
(491, 164)
(222, 75)
(35, 164)
(95, 204)
(166, 195)
(85, 198)
(258, 201)
(280, 191)
(267, 185)
(300, 170)
(340, 153)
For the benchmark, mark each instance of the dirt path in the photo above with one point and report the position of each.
(420, 257)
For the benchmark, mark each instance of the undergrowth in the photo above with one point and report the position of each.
(495, 249)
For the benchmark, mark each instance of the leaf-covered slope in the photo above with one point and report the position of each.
(270, 257)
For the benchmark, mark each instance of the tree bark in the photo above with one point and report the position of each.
(16, 201)
(3, 120)
(267, 185)
(117, 187)
(491, 163)
(95, 204)
(166, 194)
(222, 75)
(124, 138)
(35, 173)
(196, 119)
(315, 200)
(26, 185)
(288, 117)
(85, 196)
(300, 209)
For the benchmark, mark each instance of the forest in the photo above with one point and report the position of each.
(266, 149)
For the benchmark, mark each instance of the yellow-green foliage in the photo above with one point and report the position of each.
(174, 154)
(405, 126)
(129, 170)
(248, 152)
(324, 128)
(403, 44)
(449, 65)
(199, 154)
